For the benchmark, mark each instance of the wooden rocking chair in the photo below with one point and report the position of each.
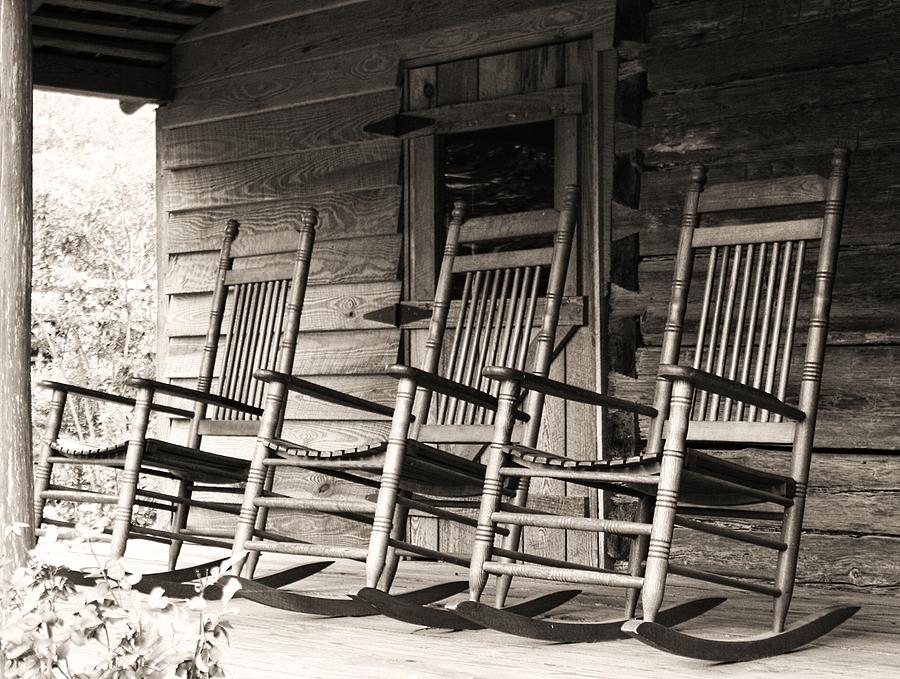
(263, 310)
(495, 305)
(733, 394)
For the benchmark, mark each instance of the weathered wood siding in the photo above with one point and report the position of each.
(271, 101)
(755, 90)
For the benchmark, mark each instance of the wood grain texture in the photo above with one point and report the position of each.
(816, 44)
(858, 408)
(835, 559)
(338, 352)
(368, 70)
(331, 123)
(238, 15)
(268, 227)
(452, 29)
(309, 173)
(345, 260)
(327, 307)
(866, 125)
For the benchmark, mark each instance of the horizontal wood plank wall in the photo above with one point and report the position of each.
(755, 90)
(272, 99)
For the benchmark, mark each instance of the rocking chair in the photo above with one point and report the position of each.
(733, 395)
(263, 309)
(494, 308)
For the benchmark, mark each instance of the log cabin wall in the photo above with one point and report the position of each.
(760, 89)
(271, 101)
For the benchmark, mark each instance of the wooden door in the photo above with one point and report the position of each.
(539, 99)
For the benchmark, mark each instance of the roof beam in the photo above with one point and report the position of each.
(80, 42)
(131, 8)
(98, 77)
(112, 29)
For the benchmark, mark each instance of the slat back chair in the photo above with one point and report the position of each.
(490, 301)
(495, 325)
(255, 316)
(733, 392)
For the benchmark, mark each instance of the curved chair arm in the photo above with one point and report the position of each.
(192, 395)
(96, 395)
(448, 387)
(323, 393)
(730, 389)
(566, 391)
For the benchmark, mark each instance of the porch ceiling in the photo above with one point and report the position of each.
(117, 48)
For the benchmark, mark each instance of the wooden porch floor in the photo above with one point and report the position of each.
(275, 644)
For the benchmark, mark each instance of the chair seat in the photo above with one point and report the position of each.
(426, 469)
(182, 461)
(698, 488)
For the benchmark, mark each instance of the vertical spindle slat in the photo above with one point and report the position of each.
(461, 357)
(484, 344)
(739, 327)
(751, 324)
(490, 386)
(726, 325)
(776, 325)
(475, 346)
(528, 325)
(791, 325)
(700, 405)
(766, 323)
(443, 399)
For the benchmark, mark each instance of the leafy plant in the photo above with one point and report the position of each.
(94, 274)
(54, 630)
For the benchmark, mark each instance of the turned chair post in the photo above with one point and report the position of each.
(811, 380)
(44, 468)
(260, 478)
(128, 480)
(185, 487)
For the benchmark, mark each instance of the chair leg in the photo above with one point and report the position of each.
(786, 569)
(511, 542)
(179, 520)
(262, 518)
(493, 484)
(246, 523)
(129, 477)
(44, 468)
(638, 554)
(392, 561)
(382, 524)
(663, 528)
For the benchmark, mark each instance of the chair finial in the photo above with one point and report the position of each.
(840, 158)
(570, 196)
(698, 174)
(308, 220)
(459, 210)
(232, 228)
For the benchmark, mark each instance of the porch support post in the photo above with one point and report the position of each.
(16, 484)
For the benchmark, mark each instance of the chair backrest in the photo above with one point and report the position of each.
(755, 285)
(509, 284)
(255, 317)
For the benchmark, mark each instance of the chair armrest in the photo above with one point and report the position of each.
(448, 387)
(731, 389)
(567, 391)
(96, 395)
(323, 393)
(192, 395)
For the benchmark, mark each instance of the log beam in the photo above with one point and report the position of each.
(15, 279)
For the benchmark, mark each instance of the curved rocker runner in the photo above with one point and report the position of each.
(506, 620)
(799, 634)
(400, 607)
